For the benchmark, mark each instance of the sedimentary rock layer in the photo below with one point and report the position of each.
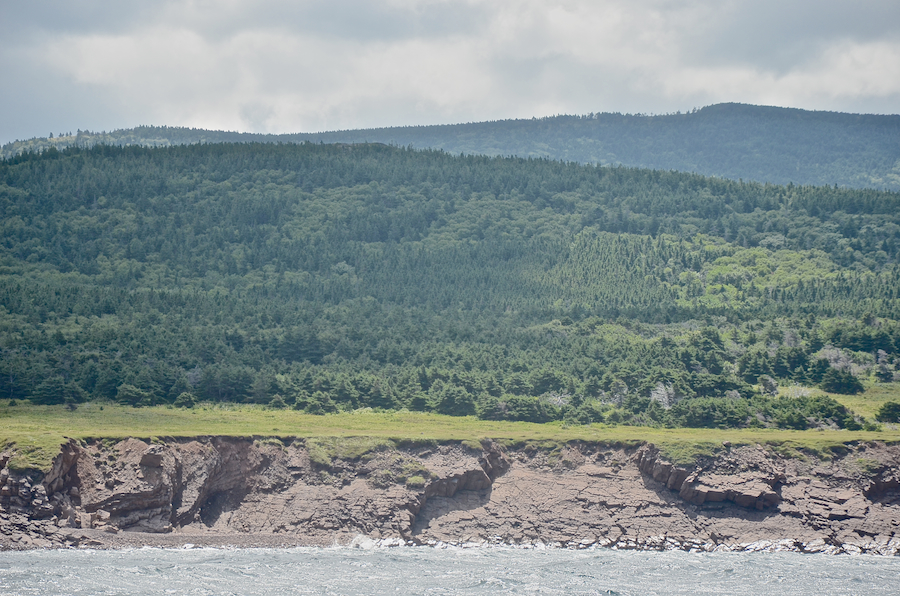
(245, 491)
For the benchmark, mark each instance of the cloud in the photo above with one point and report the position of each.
(282, 66)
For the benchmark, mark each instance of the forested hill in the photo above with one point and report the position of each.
(328, 277)
(735, 141)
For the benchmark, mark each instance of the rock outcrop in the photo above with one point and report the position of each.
(266, 491)
(747, 478)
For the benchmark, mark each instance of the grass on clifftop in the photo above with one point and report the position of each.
(35, 432)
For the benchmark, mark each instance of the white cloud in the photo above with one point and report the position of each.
(280, 66)
(842, 74)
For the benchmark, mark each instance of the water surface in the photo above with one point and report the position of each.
(440, 571)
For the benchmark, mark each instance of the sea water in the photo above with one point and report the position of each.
(422, 570)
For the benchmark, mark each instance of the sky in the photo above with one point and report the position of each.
(283, 66)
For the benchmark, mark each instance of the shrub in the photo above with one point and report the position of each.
(529, 409)
(517, 407)
(492, 408)
(185, 399)
(54, 391)
(130, 395)
(840, 381)
(710, 412)
(320, 403)
(588, 412)
(455, 401)
(791, 419)
(277, 402)
(888, 412)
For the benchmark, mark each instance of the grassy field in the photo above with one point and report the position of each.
(34, 433)
(866, 404)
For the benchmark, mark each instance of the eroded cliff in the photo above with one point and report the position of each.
(245, 491)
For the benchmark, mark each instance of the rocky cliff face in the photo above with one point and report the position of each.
(221, 490)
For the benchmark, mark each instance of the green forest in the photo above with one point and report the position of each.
(735, 141)
(335, 277)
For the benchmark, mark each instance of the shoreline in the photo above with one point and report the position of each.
(98, 540)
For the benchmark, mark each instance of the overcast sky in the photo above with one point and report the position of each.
(310, 65)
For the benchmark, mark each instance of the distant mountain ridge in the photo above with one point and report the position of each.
(736, 141)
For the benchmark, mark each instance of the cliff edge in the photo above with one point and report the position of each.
(279, 492)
